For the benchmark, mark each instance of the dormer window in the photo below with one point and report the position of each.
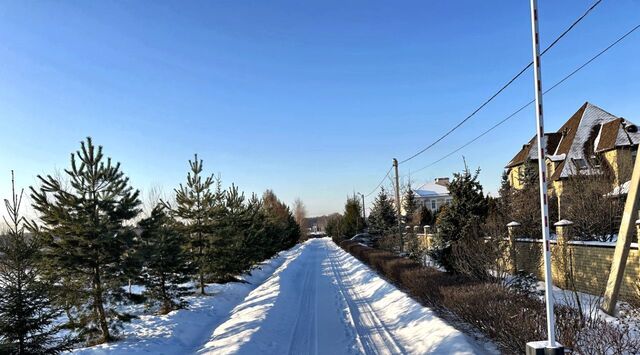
(580, 163)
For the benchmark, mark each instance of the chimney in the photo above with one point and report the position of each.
(442, 181)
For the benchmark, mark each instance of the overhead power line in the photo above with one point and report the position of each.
(379, 184)
(532, 101)
(486, 102)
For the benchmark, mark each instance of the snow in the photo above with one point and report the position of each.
(184, 331)
(345, 309)
(432, 190)
(312, 299)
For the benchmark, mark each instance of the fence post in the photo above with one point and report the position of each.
(564, 267)
(513, 229)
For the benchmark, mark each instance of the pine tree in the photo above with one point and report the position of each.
(165, 263)
(282, 229)
(26, 311)
(195, 203)
(409, 204)
(383, 214)
(86, 236)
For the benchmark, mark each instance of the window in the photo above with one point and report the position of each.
(433, 204)
(580, 163)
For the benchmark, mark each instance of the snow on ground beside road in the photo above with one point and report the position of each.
(328, 302)
(184, 331)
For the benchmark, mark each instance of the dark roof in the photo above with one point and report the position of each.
(589, 130)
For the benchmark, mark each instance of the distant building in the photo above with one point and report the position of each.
(590, 141)
(434, 195)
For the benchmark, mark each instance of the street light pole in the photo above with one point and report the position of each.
(551, 346)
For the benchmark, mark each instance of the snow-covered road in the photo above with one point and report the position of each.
(324, 301)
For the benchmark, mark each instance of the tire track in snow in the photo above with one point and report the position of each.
(304, 335)
(373, 335)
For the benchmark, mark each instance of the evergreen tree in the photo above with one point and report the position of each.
(165, 263)
(282, 228)
(425, 217)
(383, 215)
(26, 312)
(409, 204)
(352, 221)
(195, 205)
(85, 234)
(461, 219)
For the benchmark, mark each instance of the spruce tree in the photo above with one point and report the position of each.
(410, 204)
(352, 220)
(425, 217)
(195, 204)
(26, 311)
(461, 219)
(165, 263)
(383, 215)
(86, 236)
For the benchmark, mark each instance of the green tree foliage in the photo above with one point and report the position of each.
(165, 263)
(410, 205)
(424, 216)
(85, 234)
(352, 221)
(383, 215)
(460, 222)
(196, 205)
(334, 227)
(26, 311)
(281, 227)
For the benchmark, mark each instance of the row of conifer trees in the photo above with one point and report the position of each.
(69, 269)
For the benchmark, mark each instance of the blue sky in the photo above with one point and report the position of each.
(311, 99)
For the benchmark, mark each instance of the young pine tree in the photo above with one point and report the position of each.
(26, 312)
(165, 263)
(195, 205)
(85, 234)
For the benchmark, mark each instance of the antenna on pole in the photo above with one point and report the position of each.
(551, 346)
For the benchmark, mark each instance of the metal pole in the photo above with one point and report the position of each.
(364, 213)
(542, 172)
(398, 207)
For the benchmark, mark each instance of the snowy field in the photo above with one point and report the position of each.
(312, 299)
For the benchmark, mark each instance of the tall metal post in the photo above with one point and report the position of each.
(542, 175)
(398, 207)
(364, 213)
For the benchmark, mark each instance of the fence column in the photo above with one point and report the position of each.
(514, 232)
(564, 265)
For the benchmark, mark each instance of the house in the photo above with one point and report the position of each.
(433, 195)
(589, 142)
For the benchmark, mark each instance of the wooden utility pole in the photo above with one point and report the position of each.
(364, 214)
(625, 234)
(398, 207)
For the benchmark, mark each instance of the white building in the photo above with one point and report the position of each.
(434, 194)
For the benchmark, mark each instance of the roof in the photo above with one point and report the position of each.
(431, 190)
(529, 151)
(588, 131)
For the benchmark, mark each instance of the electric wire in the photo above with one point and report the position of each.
(486, 102)
(532, 101)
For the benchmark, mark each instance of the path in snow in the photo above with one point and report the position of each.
(327, 302)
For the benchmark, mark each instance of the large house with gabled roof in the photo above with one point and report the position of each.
(590, 138)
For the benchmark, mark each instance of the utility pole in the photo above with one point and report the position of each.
(398, 207)
(535, 347)
(364, 215)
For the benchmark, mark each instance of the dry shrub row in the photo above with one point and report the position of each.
(509, 319)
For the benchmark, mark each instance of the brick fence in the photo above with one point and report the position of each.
(583, 264)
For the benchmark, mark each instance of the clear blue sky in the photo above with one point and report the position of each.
(311, 99)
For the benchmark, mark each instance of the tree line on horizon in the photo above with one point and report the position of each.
(62, 278)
